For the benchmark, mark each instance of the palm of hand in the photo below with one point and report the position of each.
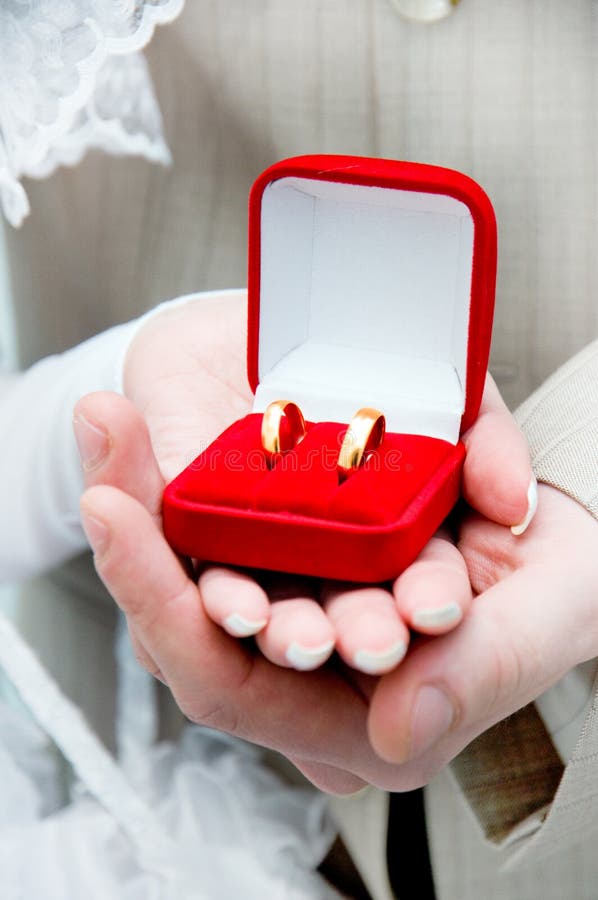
(186, 375)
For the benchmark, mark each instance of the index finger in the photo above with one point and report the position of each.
(497, 476)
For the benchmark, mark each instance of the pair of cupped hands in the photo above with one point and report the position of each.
(482, 623)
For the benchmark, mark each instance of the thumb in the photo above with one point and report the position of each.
(497, 477)
(115, 448)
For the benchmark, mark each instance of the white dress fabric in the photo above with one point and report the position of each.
(41, 524)
(71, 78)
(203, 818)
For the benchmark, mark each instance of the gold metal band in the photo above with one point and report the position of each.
(365, 433)
(272, 441)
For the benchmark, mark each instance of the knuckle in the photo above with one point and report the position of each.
(489, 553)
(218, 714)
(510, 657)
(148, 613)
(221, 707)
(147, 663)
(143, 659)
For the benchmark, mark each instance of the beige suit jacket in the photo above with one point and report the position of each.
(503, 91)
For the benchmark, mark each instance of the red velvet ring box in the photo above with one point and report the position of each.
(371, 283)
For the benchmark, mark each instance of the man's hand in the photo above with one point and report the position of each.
(534, 619)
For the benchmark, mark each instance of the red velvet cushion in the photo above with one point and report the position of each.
(304, 481)
(390, 479)
(230, 470)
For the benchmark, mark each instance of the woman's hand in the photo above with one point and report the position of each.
(185, 374)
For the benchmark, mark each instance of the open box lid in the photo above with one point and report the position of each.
(371, 283)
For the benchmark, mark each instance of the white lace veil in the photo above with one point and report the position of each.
(72, 78)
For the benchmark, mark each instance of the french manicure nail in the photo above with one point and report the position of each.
(449, 614)
(376, 662)
(432, 716)
(532, 505)
(97, 533)
(239, 626)
(93, 443)
(305, 658)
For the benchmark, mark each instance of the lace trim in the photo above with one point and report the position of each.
(72, 78)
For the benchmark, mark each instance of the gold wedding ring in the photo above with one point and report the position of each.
(364, 435)
(272, 441)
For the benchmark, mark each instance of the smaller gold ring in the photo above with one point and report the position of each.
(364, 435)
(271, 437)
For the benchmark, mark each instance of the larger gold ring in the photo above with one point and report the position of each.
(272, 440)
(364, 435)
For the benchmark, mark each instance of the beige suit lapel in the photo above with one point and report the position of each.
(362, 821)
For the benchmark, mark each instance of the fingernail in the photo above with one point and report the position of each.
(440, 615)
(532, 505)
(433, 714)
(97, 533)
(239, 626)
(376, 662)
(93, 443)
(306, 658)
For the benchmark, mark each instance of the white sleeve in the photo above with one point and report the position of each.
(40, 472)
